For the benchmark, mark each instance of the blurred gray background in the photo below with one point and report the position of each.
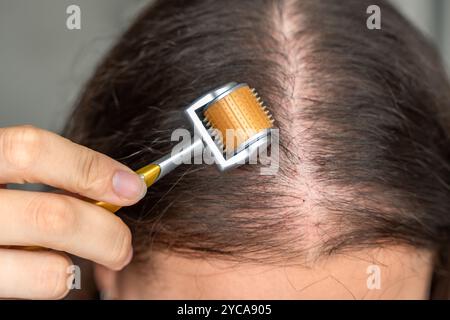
(43, 64)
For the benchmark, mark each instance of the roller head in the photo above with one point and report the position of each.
(237, 118)
(233, 123)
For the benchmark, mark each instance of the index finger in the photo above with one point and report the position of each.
(32, 155)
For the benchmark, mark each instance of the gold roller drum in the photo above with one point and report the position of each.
(238, 117)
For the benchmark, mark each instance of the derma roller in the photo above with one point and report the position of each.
(234, 106)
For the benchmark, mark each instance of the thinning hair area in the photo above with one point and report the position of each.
(364, 120)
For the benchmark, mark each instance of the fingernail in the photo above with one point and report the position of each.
(129, 185)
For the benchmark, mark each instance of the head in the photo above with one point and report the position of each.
(364, 179)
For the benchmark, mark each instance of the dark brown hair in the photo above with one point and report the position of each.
(364, 119)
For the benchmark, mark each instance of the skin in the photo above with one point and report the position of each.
(58, 223)
(405, 273)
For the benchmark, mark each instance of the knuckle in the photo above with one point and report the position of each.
(52, 215)
(88, 176)
(121, 248)
(53, 277)
(21, 145)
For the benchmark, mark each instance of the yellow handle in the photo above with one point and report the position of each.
(149, 173)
